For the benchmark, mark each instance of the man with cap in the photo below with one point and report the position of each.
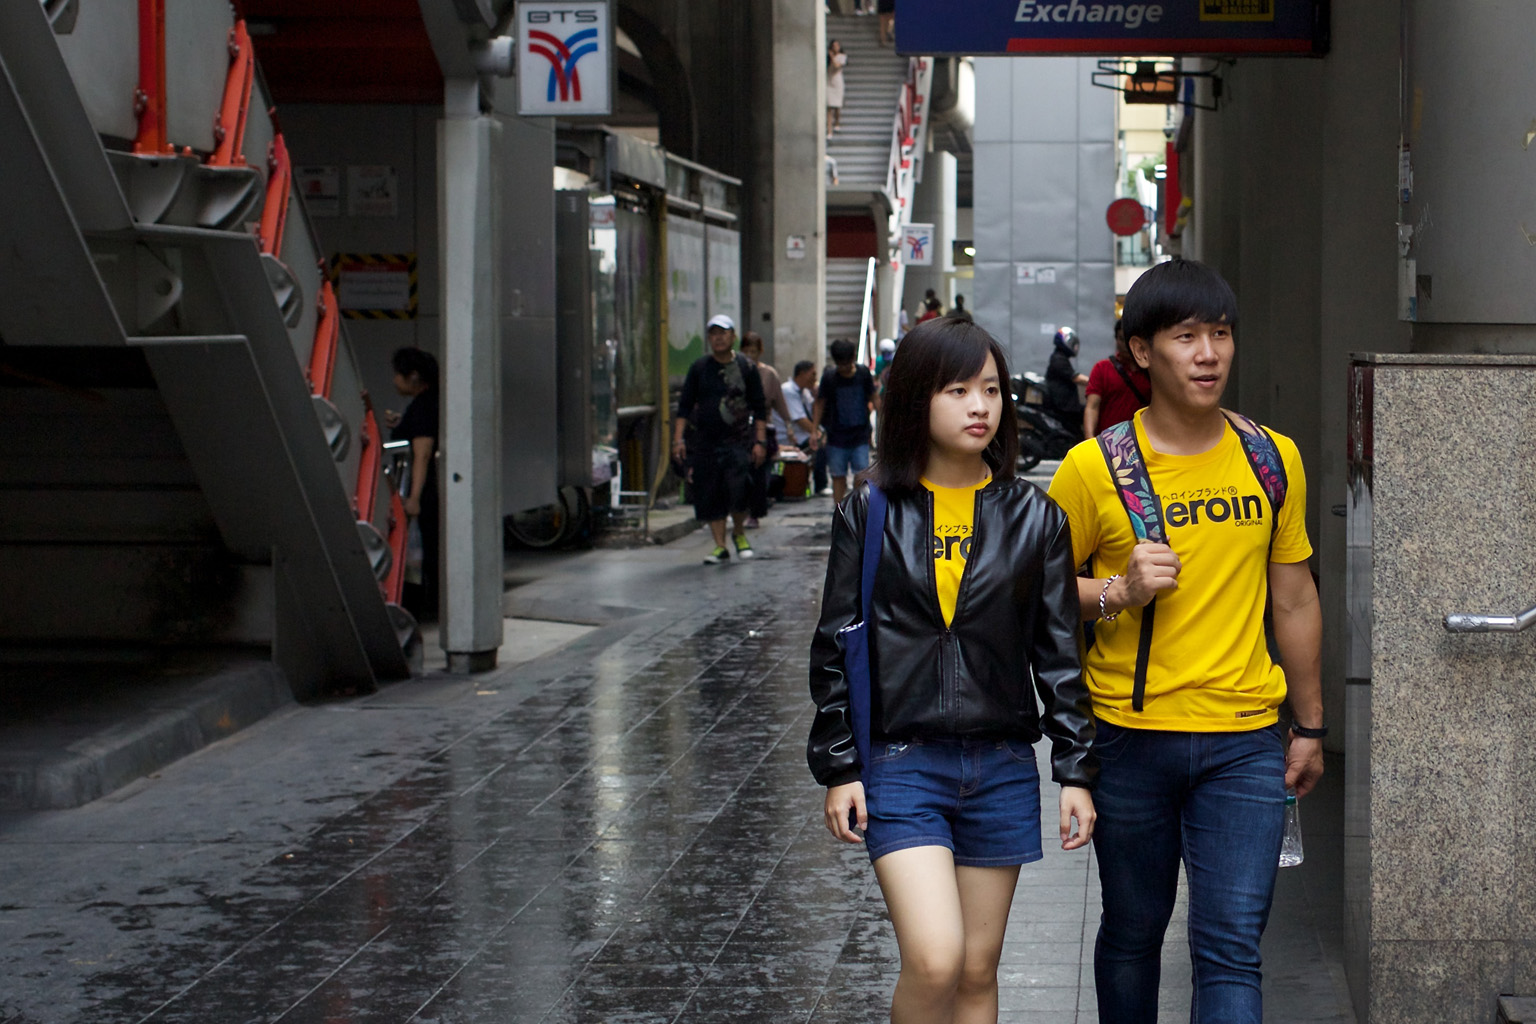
(722, 398)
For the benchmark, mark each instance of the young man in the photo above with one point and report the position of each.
(844, 400)
(722, 397)
(1117, 387)
(1193, 764)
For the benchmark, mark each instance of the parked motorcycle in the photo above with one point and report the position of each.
(1041, 434)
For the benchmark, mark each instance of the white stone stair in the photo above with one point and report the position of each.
(873, 78)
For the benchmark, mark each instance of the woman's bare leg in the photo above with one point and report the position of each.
(985, 896)
(924, 901)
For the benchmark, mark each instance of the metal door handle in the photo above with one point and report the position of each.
(1491, 623)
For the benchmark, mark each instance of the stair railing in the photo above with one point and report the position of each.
(866, 355)
(909, 141)
(385, 551)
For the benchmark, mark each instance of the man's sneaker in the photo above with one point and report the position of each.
(717, 556)
(743, 546)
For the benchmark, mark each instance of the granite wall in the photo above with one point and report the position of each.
(1440, 858)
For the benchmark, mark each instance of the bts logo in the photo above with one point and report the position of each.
(917, 249)
(565, 57)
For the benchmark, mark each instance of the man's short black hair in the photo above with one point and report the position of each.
(1173, 292)
(842, 350)
(410, 360)
(801, 367)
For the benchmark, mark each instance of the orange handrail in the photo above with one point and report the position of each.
(370, 457)
(274, 214)
(322, 357)
(149, 98)
(399, 532)
(229, 129)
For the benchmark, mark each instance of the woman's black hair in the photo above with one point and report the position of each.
(423, 364)
(1173, 292)
(934, 354)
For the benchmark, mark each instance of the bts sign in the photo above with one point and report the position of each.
(564, 59)
(1114, 28)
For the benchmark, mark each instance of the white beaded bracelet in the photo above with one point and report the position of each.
(1103, 611)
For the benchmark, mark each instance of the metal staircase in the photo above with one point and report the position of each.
(872, 80)
(202, 464)
(878, 153)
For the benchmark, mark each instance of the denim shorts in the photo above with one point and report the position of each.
(841, 460)
(979, 798)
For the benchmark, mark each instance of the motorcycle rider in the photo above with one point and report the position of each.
(1061, 380)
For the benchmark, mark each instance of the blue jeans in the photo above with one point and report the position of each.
(841, 460)
(978, 797)
(1216, 801)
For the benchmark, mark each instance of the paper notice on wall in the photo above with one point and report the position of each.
(373, 191)
(321, 189)
(375, 286)
(1034, 273)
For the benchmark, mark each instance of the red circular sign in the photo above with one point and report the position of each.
(1126, 216)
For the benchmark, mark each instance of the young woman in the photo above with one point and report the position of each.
(836, 61)
(974, 596)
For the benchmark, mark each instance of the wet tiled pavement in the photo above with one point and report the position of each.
(622, 830)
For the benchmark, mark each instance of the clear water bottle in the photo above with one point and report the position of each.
(1291, 853)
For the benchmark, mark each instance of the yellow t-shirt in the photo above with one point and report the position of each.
(954, 511)
(1209, 668)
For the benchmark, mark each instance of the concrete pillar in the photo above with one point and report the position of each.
(469, 476)
(1044, 176)
(934, 204)
(799, 181)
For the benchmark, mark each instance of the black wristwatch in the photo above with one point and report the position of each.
(1309, 734)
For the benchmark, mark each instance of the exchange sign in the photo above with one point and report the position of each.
(1114, 28)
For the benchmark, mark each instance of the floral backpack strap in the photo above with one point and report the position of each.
(1264, 459)
(1128, 473)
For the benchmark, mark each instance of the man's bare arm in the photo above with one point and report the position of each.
(1299, 635)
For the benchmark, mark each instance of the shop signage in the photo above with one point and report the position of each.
(564, 59)
(1113, 28)
(917, 246)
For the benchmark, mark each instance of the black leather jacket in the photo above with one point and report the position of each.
(1016, 613)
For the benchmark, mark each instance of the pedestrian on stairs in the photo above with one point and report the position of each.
(836, 61)
(887, 12)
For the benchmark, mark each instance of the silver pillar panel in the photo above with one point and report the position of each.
(1045, 171)
(469, 471)
(525, 242)
(1473, 208)
(195, 75)
(104, 62)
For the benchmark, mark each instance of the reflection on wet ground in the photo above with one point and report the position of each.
(621, 831)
